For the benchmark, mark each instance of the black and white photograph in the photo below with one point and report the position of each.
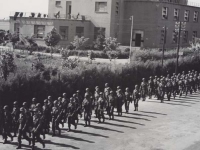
(100, 74)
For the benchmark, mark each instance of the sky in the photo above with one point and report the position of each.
(8, 6)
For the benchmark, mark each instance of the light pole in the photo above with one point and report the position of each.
(179, 26)
(164, 42)
(131, 38)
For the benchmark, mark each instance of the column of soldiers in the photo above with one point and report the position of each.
(34, 121)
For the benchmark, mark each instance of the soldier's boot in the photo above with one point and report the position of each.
(33, 148)
(112, 117)
(59, 132)
(85, 124)
(19, 146)
(75, 126)
(103, 119)
(15, 134)
(5, 139)
(44, 136)
(89, 122)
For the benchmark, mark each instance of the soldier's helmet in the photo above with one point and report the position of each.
(35, 110)
(97, 87)
(136, 86)
(183, 72)
(77, 91)
(118, 87)
(21, 109)
(49, 97)
(100, 93)
(15, 103)
(5, 107)
(143, 79)
(87, 89)
(127, 89)
(150, 77)
(155, 76)
(106, 84)
(86, 95)
(64, 94)
(38, 105)
(33, 100)
(71, 99)
(60, 98)
(111, 92)
(45, 101)
(74, 95)
(24, 104)
(55, 102)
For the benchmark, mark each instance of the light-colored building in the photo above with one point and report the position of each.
(86, 17)
(4, 25)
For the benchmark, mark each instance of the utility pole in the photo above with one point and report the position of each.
(131, 38)
(163, 48)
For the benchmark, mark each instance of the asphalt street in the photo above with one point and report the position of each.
(172, 125)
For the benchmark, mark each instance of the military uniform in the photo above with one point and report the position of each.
(136, 98)
(111, 100)
(23, 128)
(7, 122)
(96, 97)
(168, 88)
(143, 90)
(55, 123)
(15, 117)
(150, 88)
(128, 99)
(37, 129)
(47, 114)
(119, 102)
(161, 91)
(71, 115)
(87, 110)
(101, 105)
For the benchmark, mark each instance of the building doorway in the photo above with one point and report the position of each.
(138, 38)
(68, 9)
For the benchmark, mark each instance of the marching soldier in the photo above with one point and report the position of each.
(47, 114)
(15, 117)
(119, 102)
(128, 99)
(33, 105)
(7, 121)
(71, 114)
(143, 89)
(37, 128)
(111, 105)
(155, 89)
(90, 98)
(50, 102)
(161, 90)
(101, 105)
(180, 87)
(1, 119)
(150, 87)
(54, 114)
(136, 97)
(96, 98)
(187, 86)
(23, 128)
(168, 89)
(87, 110)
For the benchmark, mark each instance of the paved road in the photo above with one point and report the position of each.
(173, 125)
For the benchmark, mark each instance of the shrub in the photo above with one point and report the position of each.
(80, 43)
(111, 43)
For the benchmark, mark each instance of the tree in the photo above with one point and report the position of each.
(7, 65)
(2, 36)
(111, 43)
(32, 43)
(52, 39)
(14, 39)
(99, 43)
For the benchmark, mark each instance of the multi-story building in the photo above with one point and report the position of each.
(86, 17)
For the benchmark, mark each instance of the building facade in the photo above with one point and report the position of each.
(4, 25)
(87, 17)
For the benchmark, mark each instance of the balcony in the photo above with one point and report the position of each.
(49, 16)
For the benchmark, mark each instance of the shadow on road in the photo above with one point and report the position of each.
(117, 125)
(124, 121)
(61, 144)
(102, 128)
(134, 118)
(150, 112)
(88, 133)
(168, 102)
(141, 115)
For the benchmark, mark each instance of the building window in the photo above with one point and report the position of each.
(194, 36)
(186, 15)
(58, 3)
(99, 31)
(80, 31)
(165, 13)
(174, 37)
(185, 36)
(176, 14)
(39, 31)
(101, 7)
(64, 32)
(117, 8)
(196, 15)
